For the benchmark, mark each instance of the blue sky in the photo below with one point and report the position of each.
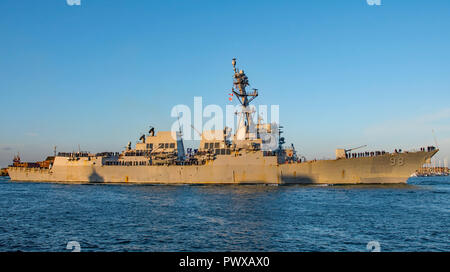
(344, 73)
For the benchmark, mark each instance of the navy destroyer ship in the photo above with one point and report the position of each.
(253, 154)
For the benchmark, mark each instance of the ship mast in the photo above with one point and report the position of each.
(240, 83)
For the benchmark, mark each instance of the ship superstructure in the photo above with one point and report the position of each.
(254, 153)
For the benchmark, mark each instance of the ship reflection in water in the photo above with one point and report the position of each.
(45, 216)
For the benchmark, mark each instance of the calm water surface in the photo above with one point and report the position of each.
(45, 217)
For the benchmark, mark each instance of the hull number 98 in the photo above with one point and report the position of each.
(397, 161)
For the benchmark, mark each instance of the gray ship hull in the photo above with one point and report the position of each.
(250, 168)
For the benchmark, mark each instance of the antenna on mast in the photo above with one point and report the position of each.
(234, 64)
(240, 83)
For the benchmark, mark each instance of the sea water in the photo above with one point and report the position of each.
(47, 216)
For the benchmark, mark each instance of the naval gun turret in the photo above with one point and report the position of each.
(342, 153)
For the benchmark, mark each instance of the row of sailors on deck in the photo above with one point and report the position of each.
(87, 154)
(364, 154)
(428, 149)
(378, 153)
